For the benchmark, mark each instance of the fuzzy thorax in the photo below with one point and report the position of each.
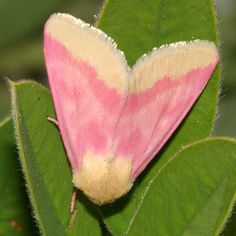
(103, 180)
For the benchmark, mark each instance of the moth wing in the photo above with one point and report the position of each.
(88, 80)
(163, 87)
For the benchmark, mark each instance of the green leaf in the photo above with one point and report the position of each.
(15, 213)
(18, 18)
(45, 165)
(137, 27)
(192, 194)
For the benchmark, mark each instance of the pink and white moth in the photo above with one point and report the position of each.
(113, 119)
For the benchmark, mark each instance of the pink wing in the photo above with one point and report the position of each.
(82, 63)
(164, 86)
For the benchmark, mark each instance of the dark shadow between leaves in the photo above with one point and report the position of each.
(20, 220)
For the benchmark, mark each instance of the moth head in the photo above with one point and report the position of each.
(103, 179)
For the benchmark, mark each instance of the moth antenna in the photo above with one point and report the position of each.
(73, 199)
(55, 122)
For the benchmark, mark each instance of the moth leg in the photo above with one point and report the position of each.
(73, 199)
(55, 122)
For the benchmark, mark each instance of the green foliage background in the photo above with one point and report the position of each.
(21, 57)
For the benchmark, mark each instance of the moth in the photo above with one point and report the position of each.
(114, 119)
